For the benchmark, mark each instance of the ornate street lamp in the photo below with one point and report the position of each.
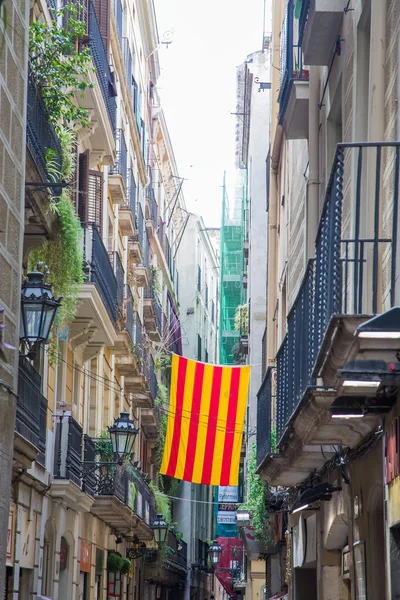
(38, 309)
(160, 530)
(214, 553)
(123, 434)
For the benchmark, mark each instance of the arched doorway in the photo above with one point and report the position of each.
(48, 559)
(64, 586)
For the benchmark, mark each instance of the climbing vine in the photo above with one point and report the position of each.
(257, 491)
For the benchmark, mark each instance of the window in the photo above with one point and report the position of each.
(198, 278)
(198, 347)
(212, 311)
(206, 295)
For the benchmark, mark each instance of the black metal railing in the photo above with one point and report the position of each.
(41, 136)
(129, 314)
(182, 553)
(138, 237)
(153, 379)
(144, 500)
(68, 455)
(178, 554)
(119, 276)
(99, 269)
(354, 270)
(118, 12)
(264, 416)
(120, 166)
(131, 193)
(153, 204)
(109, 480)
(89, 480)
(291, 59)
(100, 60)
(148, 291)
(52, 4)
(138, 336)
(31, 408)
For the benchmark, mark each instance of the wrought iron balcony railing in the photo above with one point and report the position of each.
(119, 277)
(264, 416)
(100, 60)
(158, 315)
(144, 500)
(131, 193)
(138, 336)
(129, 314)
(31, 408)
(121, 164)
(139, 225)
(68, 454)
(153, 379)
(153, 204)
(354, 269)
(40, 133)
(291, 59)
(52, 4)
(99, 269)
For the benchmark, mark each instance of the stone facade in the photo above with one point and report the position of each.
(13, 73)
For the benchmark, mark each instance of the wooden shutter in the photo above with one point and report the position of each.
(83, 186)
(95, 198)
(102, 8)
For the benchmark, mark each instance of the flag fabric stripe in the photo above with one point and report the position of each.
(180, 391)
(203, 423)
(194, 422)
(230, 427)
(171, 415)
(240, 414)
(186, 414)
(224, 403)
(212, 426)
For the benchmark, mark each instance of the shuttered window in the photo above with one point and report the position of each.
(90, 196)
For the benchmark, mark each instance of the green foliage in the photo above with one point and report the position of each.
(162, 432)
(163, 503)
(273, 439)
(61, 64)
(63, 253)
(162, 395)
(163, 363)
(103, 446)
(126, 566)
(114, 562)
(155, 275)
(257, 490)
(242, 319)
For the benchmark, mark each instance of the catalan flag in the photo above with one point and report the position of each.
(205, 422)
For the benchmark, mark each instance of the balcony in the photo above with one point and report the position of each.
(127, 354)
(31, 414)
(152, 313)
(293, 82)
(319, 24)
(151, 211)
(118, 270)
(351, 279)
(172, 570)
(118, 172)
(135, 383)
(122, 500)
(40, 133)
(67, 478)
(95, 322)
(127, 211)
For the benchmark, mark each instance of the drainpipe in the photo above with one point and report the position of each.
(312, 202)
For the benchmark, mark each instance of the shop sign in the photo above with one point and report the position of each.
(392, 451)
(85, 556)
(28, 531)
(10, 535)
(226, 517)
(228, 493)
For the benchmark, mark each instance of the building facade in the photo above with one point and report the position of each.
(327, 409)
(111, 179)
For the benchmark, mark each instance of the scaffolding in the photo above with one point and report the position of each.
(232, 293)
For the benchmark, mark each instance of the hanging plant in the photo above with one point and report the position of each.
(61, 63)
(103, 446)
(63, 254)
(114, 562)
(163, 503)
(242, 319)
(126, 566)
(257, 491)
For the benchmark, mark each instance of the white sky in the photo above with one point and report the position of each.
(197, 88)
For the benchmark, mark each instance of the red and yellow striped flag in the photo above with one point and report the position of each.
(205, 422)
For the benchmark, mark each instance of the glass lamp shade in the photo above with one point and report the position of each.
(38, 309)
(123, 434)
(214, 553)
(160, 529)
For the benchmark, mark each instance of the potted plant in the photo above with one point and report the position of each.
(126, 566)
(114, 562)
